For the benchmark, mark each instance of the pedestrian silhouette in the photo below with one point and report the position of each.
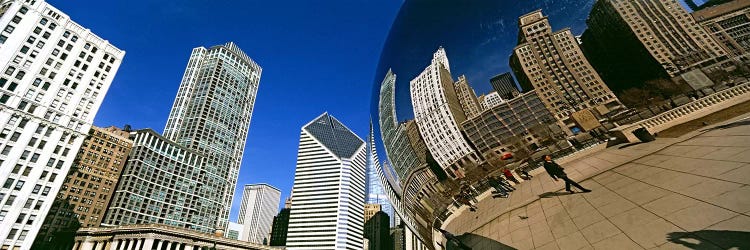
(555, 171)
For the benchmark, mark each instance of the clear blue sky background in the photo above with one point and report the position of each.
(316, 56)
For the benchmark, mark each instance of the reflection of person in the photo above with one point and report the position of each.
(555, 171)
(509, 176)
(451, 238)
(524, 175)
(499, 189)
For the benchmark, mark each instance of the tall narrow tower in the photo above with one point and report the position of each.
(211, 115)
(54, 76)
(260, 203)
(329, 188)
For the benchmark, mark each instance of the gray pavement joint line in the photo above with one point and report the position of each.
(571, 220)
(631, 159)
(705, 176)
(665, 219)
(676, 192)
(547, 222)
(636, 206)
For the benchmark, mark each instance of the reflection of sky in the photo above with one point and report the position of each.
(478, 37)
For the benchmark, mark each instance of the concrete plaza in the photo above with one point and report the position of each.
(673, 193)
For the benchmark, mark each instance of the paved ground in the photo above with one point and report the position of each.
(674, 193)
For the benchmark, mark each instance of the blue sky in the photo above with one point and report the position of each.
(316, 56)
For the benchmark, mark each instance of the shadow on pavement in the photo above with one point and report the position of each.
(712, 239)
(630, 145)
(478, 242)
(553, 194)
(730, 125)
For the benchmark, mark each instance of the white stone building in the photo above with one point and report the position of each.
(260, 203)
(54, 75)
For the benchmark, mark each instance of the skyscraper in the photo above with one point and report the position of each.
(375, 192)
(280, 228)
(552, 64)
(88, 187)
(211, 115)
(438, 112)
(160, 184)
(504, 85)
(260, 202)
(329, 188)
(729, 23)
(467, 97)
(377, 231)
(664, 29)
(54, 75)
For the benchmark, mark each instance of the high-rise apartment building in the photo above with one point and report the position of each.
(504, 85)
(160, 184)
(54, 74)
(211, 115)
(88, 187)
(467, 97)
(280, 227)
(729, 23)
(329, 188)
(552, 64)
(656, 33)
(438, 112)
(260, 202)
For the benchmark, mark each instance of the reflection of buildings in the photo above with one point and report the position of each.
(377, 231)
(438, 112)
(397, 236)
(490, 100)
(211, 115)
(467, 97)
(552, 64)
(729, 23)
(88, 187)
(329, 188)
(55, 74)
(375, 193)
(260, 202)
(490, 130)
(370, 210)
(504, 85)
(280, 227)
(669, 36)
(397, 146)
(159, 184)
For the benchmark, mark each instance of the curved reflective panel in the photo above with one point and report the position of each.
(466, 88)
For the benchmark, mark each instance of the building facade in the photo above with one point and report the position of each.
(515, 118)
(553, 65)
(467, 97)
(260, 202)
(504, 85)
(160, 184)
(665, 29)
(280, 227)
(211, 115)
(491, 99)
(729, 24)
(54, 75)
(234, 230)
(370, 210)
(377, 232)
(88, 187)
(329, 188)
(438, 112)
(155, 237)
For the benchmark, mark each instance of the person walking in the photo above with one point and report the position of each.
(555, 171)
(509, 176)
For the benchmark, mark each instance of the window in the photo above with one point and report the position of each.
(23, 10)
(3, 38)
(43, 21)
(9, 28)
(16, 19)
(19, 185)
(10, 200)
(45, 192)
(23, 234)
(9, 71)
(36, 189)
(3, 214)
(8, 183)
